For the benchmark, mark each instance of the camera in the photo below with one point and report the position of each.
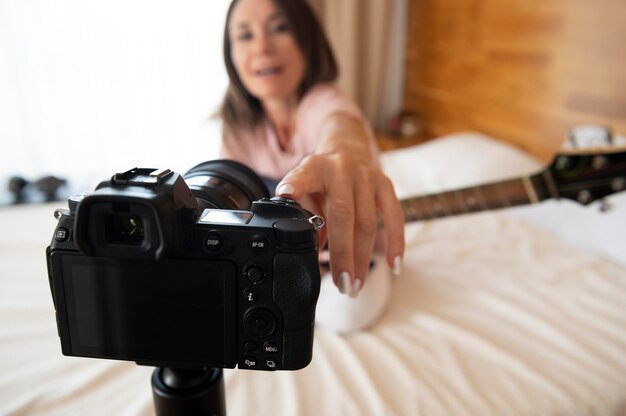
(194, 271)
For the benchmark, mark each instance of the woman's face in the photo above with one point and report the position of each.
(264, 51)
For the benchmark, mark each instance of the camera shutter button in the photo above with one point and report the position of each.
(294, 231)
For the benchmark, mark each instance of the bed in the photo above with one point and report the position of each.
(510, 312)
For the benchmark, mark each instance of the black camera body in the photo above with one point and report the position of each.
(156, 268)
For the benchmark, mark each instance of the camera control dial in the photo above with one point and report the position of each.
(294, 231)
(260, 322)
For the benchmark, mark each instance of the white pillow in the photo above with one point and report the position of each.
(455, 161)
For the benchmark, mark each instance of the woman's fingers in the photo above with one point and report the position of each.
(365, 226)
(329, 175)
(393, 219)
(352, 193)
(306, 178)
(340, 213)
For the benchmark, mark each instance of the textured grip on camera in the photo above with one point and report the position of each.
(296, 289)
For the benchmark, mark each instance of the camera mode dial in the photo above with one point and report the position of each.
(278, 207)
(283, 201)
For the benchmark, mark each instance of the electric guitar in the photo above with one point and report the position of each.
(582, 177)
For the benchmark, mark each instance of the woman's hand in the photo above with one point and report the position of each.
(351, 193)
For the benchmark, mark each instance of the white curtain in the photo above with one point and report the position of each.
(368, 37)
(91, 87)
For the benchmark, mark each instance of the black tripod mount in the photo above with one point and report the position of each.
(178, 392)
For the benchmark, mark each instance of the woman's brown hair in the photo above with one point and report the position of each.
(239, 109)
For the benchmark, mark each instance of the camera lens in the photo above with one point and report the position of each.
(225, 184)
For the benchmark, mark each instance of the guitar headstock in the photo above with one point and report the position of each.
(586, 176)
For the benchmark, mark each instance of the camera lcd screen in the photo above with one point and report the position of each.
(171, 311)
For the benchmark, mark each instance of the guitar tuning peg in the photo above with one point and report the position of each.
(605, 206)
(599, 162)
(563, 162)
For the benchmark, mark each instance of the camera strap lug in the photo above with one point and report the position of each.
(317, 221)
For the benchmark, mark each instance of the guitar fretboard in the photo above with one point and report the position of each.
(582, 177)
(491, 196)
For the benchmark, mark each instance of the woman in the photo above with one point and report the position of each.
(284, 117)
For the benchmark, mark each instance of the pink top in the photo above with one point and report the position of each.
(259, 149)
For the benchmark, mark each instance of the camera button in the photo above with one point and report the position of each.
(250, 346)
(270, 347)
(250, 362)
(213, 241)
(271, 363)
(250, 295)
(254, 274)
(258, 244)
(62, 234)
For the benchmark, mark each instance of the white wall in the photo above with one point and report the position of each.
(89, 88)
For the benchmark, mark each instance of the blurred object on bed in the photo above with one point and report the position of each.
(492, 315)
(45, 189)
(525, 72)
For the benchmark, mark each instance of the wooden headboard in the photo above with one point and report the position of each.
(519, 70)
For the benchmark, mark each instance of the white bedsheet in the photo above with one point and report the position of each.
(492, 315)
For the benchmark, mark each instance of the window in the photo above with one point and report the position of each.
(90, 88)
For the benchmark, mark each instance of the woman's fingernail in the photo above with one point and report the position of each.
(356, 288)
(397, 265)
(285, 189)
(344, 283)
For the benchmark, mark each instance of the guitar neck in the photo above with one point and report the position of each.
(582, 177)
(496, 195)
